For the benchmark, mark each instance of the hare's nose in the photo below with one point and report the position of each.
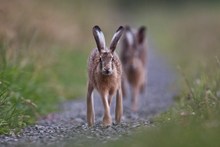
(106, 68)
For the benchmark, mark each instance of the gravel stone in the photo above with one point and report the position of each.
(68, 126)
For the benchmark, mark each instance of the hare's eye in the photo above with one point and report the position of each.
(113, 59)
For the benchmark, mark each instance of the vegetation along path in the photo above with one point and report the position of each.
(69, 125)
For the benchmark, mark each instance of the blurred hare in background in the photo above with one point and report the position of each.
(133, 56)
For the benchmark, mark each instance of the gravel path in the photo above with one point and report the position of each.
(69, 125)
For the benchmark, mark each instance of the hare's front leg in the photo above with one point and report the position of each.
(119, 106)
(143, 85)
(134, 99)
(123, 87)
(107, 120)
(90, 106)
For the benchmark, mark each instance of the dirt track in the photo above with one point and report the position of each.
(69, 125)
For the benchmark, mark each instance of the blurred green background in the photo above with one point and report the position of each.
(44, 47)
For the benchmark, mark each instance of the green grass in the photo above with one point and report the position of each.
(173, 135)
(24, 93)
(70, 73)
(32, 84)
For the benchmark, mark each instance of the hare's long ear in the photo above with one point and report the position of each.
(141, 34)
(129, 36)
(99, 38)
(116, 38)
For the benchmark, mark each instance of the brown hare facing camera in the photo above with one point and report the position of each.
(105, 72)
(134, 59)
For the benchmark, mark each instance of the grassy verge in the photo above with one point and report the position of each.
(70, 73)
(33, 86)
(24, 92)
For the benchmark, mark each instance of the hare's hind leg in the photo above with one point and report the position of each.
(123, 88)
(90, 106)
(119, 106)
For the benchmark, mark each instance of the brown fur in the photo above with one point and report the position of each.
(102, 82)
(104, 72)
(134, 59)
